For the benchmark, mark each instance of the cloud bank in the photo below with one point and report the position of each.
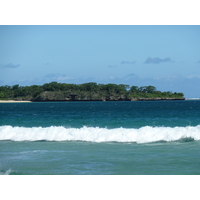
(157, 60)
(57, 77)
(10, 65)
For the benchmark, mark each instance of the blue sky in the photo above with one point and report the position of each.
(167, 57)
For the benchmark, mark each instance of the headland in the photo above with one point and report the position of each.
(84, 92)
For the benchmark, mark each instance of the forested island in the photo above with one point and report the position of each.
(85, 92)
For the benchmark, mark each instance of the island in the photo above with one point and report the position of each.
(85, 92)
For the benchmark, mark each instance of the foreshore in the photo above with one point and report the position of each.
(13, 101)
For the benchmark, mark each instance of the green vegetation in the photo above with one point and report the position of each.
(87, 91)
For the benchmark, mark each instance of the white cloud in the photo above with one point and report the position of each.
(10, 65)
(112, 66)
(157, 60)
(127, 63)
(57, 77)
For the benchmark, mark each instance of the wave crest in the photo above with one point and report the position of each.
(144, 134)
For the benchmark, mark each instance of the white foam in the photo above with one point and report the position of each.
(94, 134)
(8, 172)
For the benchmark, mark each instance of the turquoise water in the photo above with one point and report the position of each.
(157, 137)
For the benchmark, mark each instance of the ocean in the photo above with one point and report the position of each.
(100, 138)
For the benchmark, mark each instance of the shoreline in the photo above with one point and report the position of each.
(13, 101)
(77, 100)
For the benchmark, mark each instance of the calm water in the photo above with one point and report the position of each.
(100, 138)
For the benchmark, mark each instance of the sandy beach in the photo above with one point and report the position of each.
(13, 101)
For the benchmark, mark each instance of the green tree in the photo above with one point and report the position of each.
(134, 89)
(150, 89)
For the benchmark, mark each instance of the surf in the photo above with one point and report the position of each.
(144, 134)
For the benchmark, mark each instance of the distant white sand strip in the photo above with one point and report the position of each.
(13, 101)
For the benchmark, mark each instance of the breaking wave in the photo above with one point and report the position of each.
(144, 134)
(8, 172)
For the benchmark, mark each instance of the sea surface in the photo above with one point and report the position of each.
(100, 138)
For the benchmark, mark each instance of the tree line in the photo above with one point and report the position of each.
(87, 91)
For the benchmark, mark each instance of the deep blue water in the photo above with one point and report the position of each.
(102, 114)
(154, 137)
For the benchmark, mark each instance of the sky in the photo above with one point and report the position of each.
(165, 56)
